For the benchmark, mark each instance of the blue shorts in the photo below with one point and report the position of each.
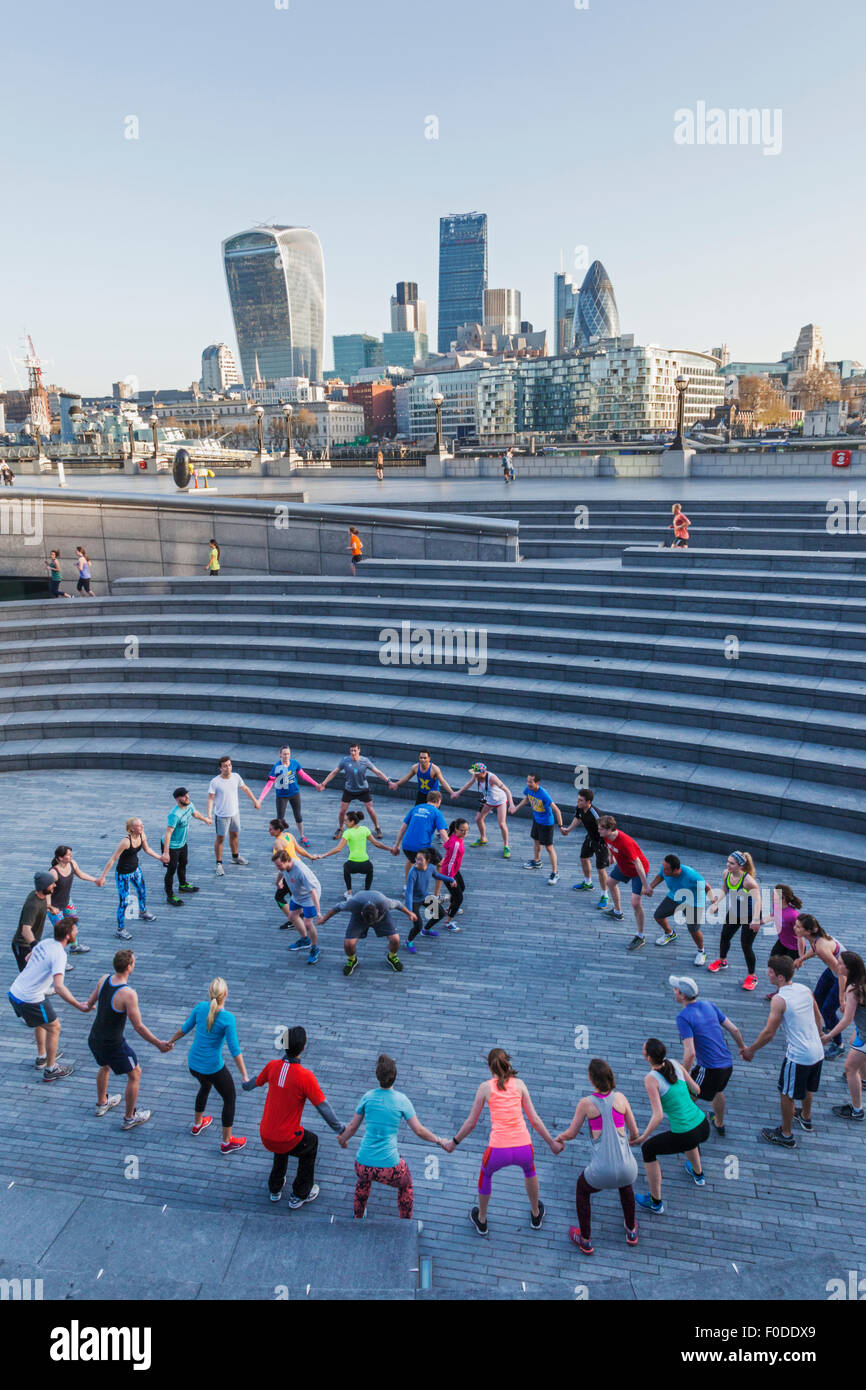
(618, 876)
(307, 908)
(120, 1059)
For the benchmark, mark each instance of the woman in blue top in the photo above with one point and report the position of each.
(214, 1025)
(378, 1157)
(418, 887)
(284, 777)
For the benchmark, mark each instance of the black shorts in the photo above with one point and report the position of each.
(83, 584)
(384, 927)
(597, 848)
(435, 855)
(780, 949)
(121, 1058)
(542, 833)
(365, 796)
(712, 1080)
(282, 894)
(34, 1015)
(670, 1143)
(796, 1078)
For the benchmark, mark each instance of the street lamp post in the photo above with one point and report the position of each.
(288, 413)
(154, 422)
(681, 382)
(259, 413)
(438, 400)
(131, 436)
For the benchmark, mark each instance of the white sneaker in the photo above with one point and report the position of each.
(664, 938)
(140, 1117)
(700, 958)
(554, 878)
(219, 870)
(109, 1104)
(239, 859)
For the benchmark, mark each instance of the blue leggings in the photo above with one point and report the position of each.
(827, 997)
(126, 882)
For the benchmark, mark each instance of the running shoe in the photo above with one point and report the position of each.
(631, 1235)
(123, 935)
(147, 917)
(108, 1104)
(428, 931)
(636, 943)
(666, 938)
(285, 924)
(313, 957)
(410, 946)
(603, 902)
(532, 864)
(174, 901)
(717, 965)
(453, 927)
(612, 913)
(236, 1142)
(187, 888)
(305, 842)
(645, 1199)
(478, 844)
(140, 1117)
(219, 870)
(205, 1121)
(39, 1064)
(79, 949)
(847, 1112)
(834, 1050)
(803, 1122)
(582, 887)
(585, 1247)
(506, 853)
(700, 958)
(697, 1178)
(720, 1129)
(775, 1136)
(351, 964)
(553, 878)
(303, 943)
(394, 961)
(276, 1196)
(239, 859)
(69, 967)
(750, 982)
(57, 1073)
(480, 1226)
(295, 1201)
(536, 1222)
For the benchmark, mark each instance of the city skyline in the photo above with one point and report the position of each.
(704, 244)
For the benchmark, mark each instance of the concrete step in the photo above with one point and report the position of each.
(554, 540)
(845, 560)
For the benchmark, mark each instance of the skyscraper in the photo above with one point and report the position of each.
(462, 273)
(408, 312)
(502, 307)
(355, 351)
(218, 368)
(276, 285)
(596, 315)
(565, 293)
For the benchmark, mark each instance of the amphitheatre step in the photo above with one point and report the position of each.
(552, 540)
(786, 843)
(842, 561)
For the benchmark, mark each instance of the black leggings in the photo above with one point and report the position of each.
(584, 1193)
(357, 866)
(294, 801)
(458, 888)
(747, 941)
(221, 1081)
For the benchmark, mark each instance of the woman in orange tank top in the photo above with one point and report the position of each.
(508, 1101)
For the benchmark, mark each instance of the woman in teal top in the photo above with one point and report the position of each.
(214, 1025)
(382, 1111)
(355, 838)
(670, 1090)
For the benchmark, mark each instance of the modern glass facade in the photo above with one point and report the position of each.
(355, 351)
(565, 294)
(596, 315)
(462, 273)
(401, 349)
(276, 284)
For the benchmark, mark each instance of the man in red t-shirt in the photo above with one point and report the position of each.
(631, 864)
(290, 1086)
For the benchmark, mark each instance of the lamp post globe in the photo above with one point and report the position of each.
(681, 382)
(259, 413)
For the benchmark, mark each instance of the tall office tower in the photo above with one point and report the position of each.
(408, 312)
(355, 351)
(218, 368)
(502, 307)
(565, 293)
(276, 284)
(596, 315)
(462, 273)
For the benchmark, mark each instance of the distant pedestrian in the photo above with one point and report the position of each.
(380, 466)
(6, 473)
(55, 576)
(213, 560)
(356, 548)
(82, 564)
(680, 527)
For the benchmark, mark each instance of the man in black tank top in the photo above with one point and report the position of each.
(116, 1001)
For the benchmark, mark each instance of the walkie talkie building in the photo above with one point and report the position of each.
(276, 285)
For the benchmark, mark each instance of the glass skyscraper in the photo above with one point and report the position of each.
(462, 273)
(276, 285)
(355, 351)
(596, 315)
(565, 294)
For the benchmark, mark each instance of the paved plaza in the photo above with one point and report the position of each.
(534, 966)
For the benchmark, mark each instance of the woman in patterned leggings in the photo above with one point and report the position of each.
(378, 1159)
(128, 875)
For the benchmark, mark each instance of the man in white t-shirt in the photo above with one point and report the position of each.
(794, 1006)
(222, 804)
(28, 995)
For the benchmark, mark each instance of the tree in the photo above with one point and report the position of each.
(815, 386)
(303, 425)
(758, 395)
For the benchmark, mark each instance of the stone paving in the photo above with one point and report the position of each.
(533, 965)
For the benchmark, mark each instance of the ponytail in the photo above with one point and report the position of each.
(811, 926)
(216, 993)
(279, 824)
(658, 1055)
(59, 853)
(788, 896)
(456, 824)
(499, 1063)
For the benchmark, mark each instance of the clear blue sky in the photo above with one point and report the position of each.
(557, 122)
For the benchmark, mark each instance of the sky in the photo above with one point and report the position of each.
(557, 121)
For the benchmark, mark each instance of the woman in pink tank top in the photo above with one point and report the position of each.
(508, 1101)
